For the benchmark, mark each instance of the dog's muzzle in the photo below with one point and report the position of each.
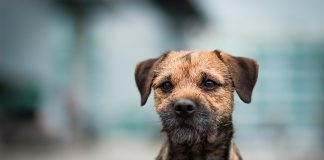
(187, 121)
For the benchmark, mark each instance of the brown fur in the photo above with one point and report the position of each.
(207, 135)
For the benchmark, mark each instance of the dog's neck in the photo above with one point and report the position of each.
(215, 147)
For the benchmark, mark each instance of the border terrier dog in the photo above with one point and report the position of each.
(193, 95)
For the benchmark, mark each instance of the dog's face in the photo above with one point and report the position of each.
(193, 91)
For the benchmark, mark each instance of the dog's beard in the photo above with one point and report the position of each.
(192, 130)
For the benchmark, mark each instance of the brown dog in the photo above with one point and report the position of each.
(193, 94)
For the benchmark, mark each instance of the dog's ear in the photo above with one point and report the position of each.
(244, 73)
(144, 76)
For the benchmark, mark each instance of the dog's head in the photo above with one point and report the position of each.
(193, 91)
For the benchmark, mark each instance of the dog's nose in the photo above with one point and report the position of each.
(184, 107)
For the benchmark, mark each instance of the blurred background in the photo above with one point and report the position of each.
(67, 88)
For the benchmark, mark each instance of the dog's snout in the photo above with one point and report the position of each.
(184, 107)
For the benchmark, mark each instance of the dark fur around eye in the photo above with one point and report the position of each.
(209, 85)
(166, 86)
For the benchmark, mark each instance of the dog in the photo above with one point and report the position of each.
(193, 95)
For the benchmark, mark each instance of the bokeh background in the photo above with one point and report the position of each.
(67, 88)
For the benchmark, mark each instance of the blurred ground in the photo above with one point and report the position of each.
(125, 148)
(121, 149)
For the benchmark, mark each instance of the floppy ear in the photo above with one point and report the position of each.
(144, 77)
(244, 73)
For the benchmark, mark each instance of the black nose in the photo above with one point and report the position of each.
(184, 107)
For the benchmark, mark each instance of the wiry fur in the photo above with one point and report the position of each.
(208, 133)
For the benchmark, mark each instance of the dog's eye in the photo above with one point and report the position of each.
(209, 85)
(166, 86)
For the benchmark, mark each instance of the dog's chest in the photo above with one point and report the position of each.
(197, 152)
